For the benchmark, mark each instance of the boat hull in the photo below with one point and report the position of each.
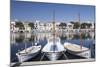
(53, 49)
(76, 50)
(26, 57)
(52, 56)
(85, 54)
(28, 54)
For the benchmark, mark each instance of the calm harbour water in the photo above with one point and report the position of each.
(19, 39)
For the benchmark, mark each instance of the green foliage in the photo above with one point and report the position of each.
(76, 25)
(31, 25)
(19, 24)
(63, 25)
(82, 25)
(86, 25)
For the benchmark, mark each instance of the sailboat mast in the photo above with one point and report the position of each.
(81, 43)
(54, 23)
(25, 39)
(54, 29)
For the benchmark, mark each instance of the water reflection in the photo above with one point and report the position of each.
(19, 39)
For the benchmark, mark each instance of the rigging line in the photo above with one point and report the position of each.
(65, 55)
(42, 57)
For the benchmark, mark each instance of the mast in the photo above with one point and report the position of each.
(81, 42)
(53, 29)
(25, 39)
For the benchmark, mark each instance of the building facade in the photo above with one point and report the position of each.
(44, 27)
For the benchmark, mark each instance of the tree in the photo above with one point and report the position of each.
(72, 22)
(76, 25)
(84, 25)
(31, 25)
(63, 25)
(19, 24)
(45, 26)
(89, 25)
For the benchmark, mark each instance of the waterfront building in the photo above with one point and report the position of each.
(12, 26)
(42, 26)
(47, 27)
(70, 26)
(27, 27)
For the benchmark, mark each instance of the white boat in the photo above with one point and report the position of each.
(77, 50)
(53, 50)
(28, 53)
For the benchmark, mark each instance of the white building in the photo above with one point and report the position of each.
(48, 26)
(70, 26)
(91, 22)
(38, 26)
(57, 26)
(16, 29)
(43, 26)
(12, 26)
(93, 25)
(27, 27)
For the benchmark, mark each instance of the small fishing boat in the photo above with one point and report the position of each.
(28, 53)
(76, 50)
(53, 50)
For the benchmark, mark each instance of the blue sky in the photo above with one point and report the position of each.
(31, 11)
